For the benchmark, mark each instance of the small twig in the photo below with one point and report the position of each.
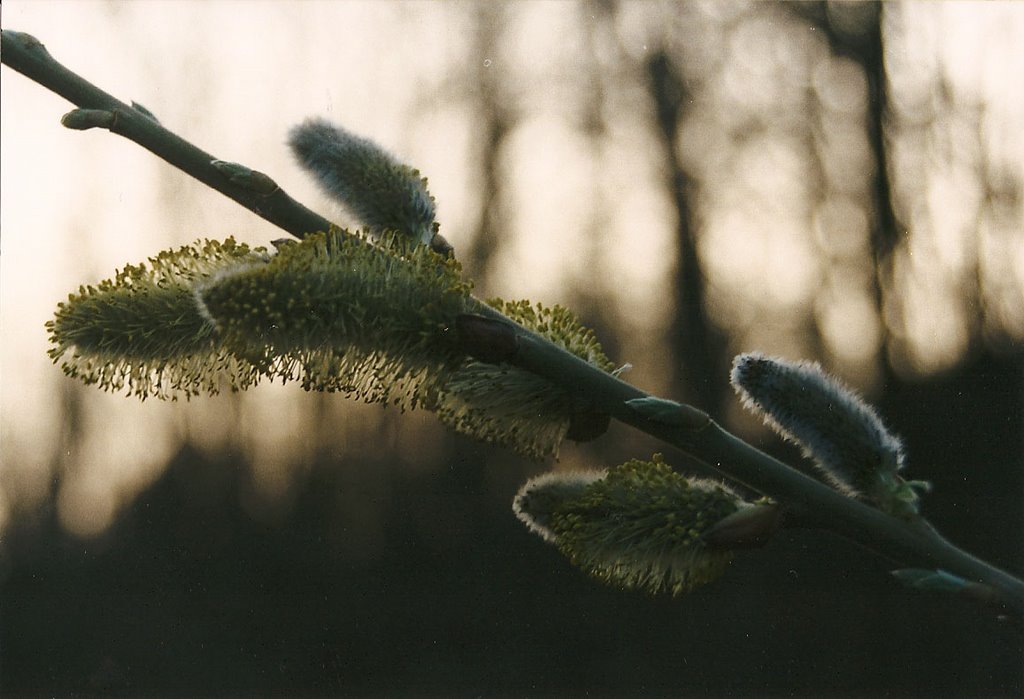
(25, 54)
(916, 544)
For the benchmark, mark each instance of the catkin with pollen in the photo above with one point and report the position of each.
(143, 330)
(638, 525)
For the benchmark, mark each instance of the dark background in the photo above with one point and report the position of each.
(189, 594)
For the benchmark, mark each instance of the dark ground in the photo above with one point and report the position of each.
(190, 595)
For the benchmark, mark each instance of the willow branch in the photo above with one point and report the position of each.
(256, 192)
(909, 543)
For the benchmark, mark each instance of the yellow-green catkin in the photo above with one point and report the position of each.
(638, 525)
(143, 332)
(375, 321)
(341, 314)
(372, 319)
(504, 405)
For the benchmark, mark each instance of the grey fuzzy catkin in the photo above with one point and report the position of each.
(833, 426)
(380, 191)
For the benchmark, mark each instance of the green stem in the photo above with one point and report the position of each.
(912, 544)
(25, 54)
(916, 544)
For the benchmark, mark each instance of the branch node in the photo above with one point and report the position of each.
(282, 243)
(490, 341)
(746, 528)
(669, 412)
(441, 246)
(84, 119)
(144, 111)
(246, 177)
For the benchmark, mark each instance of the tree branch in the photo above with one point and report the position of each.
(25, 54)
(911, 544)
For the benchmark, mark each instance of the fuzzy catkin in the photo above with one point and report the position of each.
(636, 526)
(502, 404)
(835, 428)
(341, 314)
(382, 193)
(143, 330)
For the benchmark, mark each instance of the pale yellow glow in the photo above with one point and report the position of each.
(763, 254)
(841, 86)
(956, 194)
(123, 452)
(977, 47)
(849, 324)
(847, 161)
(276, 436)
(548, 165)
(841, 227)
(1001, 255)
(544, 55)
(641, 258)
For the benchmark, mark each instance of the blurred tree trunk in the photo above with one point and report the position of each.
(495, 122)
(695, 344)
(861, 40)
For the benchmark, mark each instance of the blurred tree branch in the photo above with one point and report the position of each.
(913, 543)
